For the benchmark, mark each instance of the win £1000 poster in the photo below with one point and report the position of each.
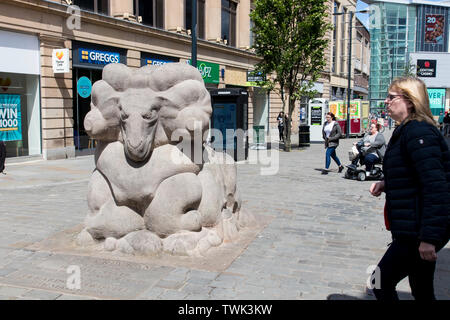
(10, 117)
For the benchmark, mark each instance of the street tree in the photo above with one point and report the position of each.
(409, 70)
(289, 35)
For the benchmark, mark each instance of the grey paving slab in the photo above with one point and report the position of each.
(41, 295)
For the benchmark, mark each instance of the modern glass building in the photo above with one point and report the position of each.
(397, 29)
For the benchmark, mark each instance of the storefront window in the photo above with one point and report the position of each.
(20, 125)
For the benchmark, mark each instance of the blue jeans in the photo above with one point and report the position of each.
(331, 153)
(369, 161)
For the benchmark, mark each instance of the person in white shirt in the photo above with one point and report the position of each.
(331, 133)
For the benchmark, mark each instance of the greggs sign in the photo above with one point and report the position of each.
(98, 57)
(60, 60)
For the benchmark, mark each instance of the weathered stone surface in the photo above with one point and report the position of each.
(144, 242)
(157, 187)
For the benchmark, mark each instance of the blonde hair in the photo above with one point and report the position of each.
(415, 91)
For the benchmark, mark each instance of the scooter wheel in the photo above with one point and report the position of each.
(361, 176)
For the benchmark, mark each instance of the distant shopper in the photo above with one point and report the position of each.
(2, 156)
(441, 121)
(331, 133)
(280, 120)
(447, 124)
(371, 148)
(417, 194)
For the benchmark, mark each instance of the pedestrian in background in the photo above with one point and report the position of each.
(371, 149)
(331, 133)
(280, 120)
(417, 193)
(2, 156)
(446, 124)
(441, 121)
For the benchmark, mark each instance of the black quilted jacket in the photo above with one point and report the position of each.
(417, 175)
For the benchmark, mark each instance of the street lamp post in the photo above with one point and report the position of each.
(194, 34)
(349, 89)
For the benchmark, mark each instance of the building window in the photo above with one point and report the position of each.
(229, 22)
(252, 36)
(151, 11)
(200, 17)
(97, 6)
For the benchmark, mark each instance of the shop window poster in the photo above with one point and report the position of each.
(10, 117)
(434, 28)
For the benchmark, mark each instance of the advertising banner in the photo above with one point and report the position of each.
(437, 100)
(338, 109)
(355, 109)
(10, 117)
(316, 115)
(209, 71)
(434, 28)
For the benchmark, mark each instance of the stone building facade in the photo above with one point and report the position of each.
(132, 32)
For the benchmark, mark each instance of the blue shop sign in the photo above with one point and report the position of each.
(156, 62)
(97, 56)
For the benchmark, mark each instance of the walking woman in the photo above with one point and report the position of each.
(331, 133)
(417, 170)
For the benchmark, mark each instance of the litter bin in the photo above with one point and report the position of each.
(303, 136)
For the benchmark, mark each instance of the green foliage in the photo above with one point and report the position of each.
(289, 36)
(410, 70)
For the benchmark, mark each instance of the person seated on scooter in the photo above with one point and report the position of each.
(371, 148)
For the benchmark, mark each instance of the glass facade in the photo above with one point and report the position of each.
(392, 34)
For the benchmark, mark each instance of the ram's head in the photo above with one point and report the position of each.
(143, 108)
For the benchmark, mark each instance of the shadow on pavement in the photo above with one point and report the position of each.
(441, 283)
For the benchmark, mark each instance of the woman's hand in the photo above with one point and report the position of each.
(427, 251)
(377, 188)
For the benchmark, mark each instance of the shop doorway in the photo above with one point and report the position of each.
(84, 145)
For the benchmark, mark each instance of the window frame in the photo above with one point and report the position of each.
(232, 25)
(158, 9)
(95, 8)
(200, 18)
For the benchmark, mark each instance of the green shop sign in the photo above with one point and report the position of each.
(209, 71)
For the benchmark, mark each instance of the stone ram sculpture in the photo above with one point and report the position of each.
(142, 199)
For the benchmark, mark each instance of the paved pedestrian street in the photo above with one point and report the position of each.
(321, 234)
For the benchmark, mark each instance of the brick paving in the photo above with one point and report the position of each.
(324, 234)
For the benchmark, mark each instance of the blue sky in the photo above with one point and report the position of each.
(364, 17)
